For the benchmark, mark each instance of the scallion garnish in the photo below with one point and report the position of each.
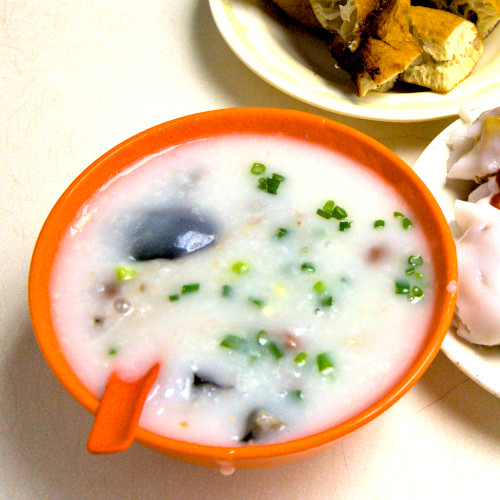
(419, 276)
(325, 364)
(227, 291)
(112, 351)
(173, 298)
(125, 273)
(327, 301)
(328, 206)
(297, 395)
(415, 260)
(344, 225)
(319, 287)
(379, 223)
(240, 268)
(339, 213)
(278, 177)
(402, 287)
(257, 168)
(307, 267)
(300, 359)
(262, 338)
(191, 287)
(256, 302)
(231, 341)
(398, 214)
(263, 183)
(281, 232)
(324, 214)
(406, 223)
(275, 350)
(417, 292)
(410, 271)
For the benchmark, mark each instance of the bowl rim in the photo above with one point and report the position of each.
(266, 121)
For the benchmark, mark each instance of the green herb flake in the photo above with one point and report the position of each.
(231, 341)
(398, 214)
(258, 168)
(300, 359)
(402, 287)
(278, 177)
(173, 298)
(191, 287)
(240, 268)
(324, 214)
(409, 271)
(319, 287)
(379, 223)
(325, 364)
(327, 301)
(307, 267)
(339, 213)
(275, 350)
(227, 291)
(263, 184)
(419, 275)
(344, 225)
(415, 260)
(328, 206)
(262, 338)
(417, 292)
(273, 185)
(281, 232)
(296, 394)
(125, 273)
(406, 223)
(112, 351)
(256, 302)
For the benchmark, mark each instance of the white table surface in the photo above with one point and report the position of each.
(76, 78)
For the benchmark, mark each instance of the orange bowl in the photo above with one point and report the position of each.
(315, 130)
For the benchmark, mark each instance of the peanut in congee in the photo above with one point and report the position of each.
(283, 287)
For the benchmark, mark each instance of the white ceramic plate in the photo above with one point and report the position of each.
(482, 364)
(298, 63)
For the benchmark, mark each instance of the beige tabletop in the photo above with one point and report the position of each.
(78, 77)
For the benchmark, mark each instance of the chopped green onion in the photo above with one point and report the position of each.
(227, 291)
(281, 232)
(328, 206)
(173, 298)
(278, 177)
(263, 184)
(379, 223)
(325, 364)
(417, 292)
(307, 267)
(296, 394)
(262, 338)
(415, 260)
(406, 223)
(324, 214)
(300, 359)
(275, 350)
(327, 301)
(273, 185)
(402, 287)
(232, 342)
(419, 275)
(192, 287)
(256, 302)
(344, 225)
(240, 268)
(319, 287)
(257, 168)
(112, 351)
(125, 273)
(339, 213)
(398, 214)
(409, 271)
